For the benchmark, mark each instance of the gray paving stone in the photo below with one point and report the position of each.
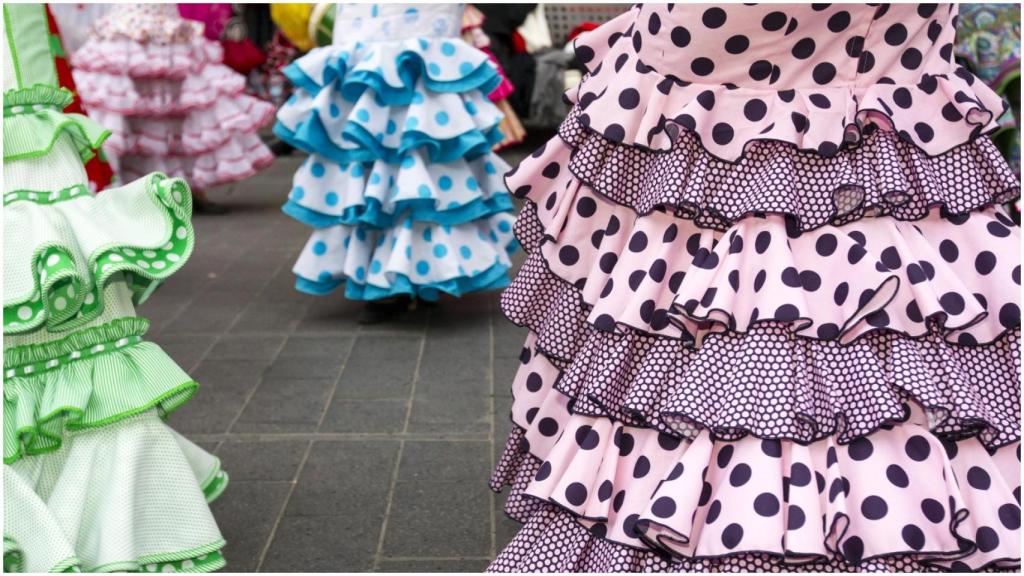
(262, 316)
(279, 405)
(319, 346)
(342, 543)
(365, 416)
(430, 519)
(451, 413)
(345, 478)
(440, 461)
(224, 386)
(292, 367)
(270, 460)
(209, 312)
(380, 367)
(247, 347)
(433, 565)
(186, 350)
(246, 514)
(331, 313)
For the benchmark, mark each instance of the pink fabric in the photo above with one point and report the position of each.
(798, 73)
(213, 16)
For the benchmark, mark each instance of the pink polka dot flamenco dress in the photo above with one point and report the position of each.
(401, 187)
(772, 300)
(154, 80)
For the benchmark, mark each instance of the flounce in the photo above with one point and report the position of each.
(241, 157)
(115, 92)
(201, 131)
(90, 378)
(395, 70)
(447, 126)
(380, 194)
(421, 259)
(884, 176)
(821, 119)
(664, 275)
(705, 499)
(768, 383)
(62, 247)
(33, 121)
(128, 57)
(146, 513)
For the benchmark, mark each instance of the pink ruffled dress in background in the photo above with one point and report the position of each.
(773, 302)
(158, 84)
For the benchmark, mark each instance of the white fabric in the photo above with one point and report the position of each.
(389, 22)
(29, 523)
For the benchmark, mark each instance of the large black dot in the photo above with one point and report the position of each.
(985, 262)
(755, 109)
(766, 504)
(896, 34)
(839, 21)
(722, 133)
(732, 535)
(737, 44)
(774, 21)
(861, 449)
(576, 493)
(760, 70)
(680, 36)
(897, 476)
(978, 478)
(911, 58)
(740, 475)
(568, 255)
(702, 66)
(629, 98)
(853, 550)
(638, 243)
(1009, 315)
(874, 508)
(1009, 516)
(796, 519)
(803, 49)
(913, 536)
(917, 448)
(987, 539)
(664, 507)
(713, 17)
(823, 73)
(933, 510)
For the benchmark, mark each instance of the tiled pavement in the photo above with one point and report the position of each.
(350, 448)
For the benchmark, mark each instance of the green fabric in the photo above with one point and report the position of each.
(53, 197)
(28, 39)
(90, 381)
(14, 561)
(34, 133)
(61, 284)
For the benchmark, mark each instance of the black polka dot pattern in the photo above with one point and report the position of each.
(728, 493)
(797, 61)
(882, 177)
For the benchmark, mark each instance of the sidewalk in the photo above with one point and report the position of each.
(350, 448)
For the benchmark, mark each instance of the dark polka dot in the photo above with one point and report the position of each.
(636, 278)
(866, 62)
(607, 262)
(587, 438)
(680, 36)
(978, 478)
(853, 550)
(985, 262)
(861, 449)
(615, 133)
(897, 476)
(771, 448)
(951, 113)
(1009, 515)
(548, 427)
(824, 73)
(737, 44)
(1009, 315)
(803, 49)
(702, 66)
(732, 535)
(800, 122)
(896, 35)
(534, 382)
(675, 281)
(713, 18)
(713, 511)
(759, 280)
(828, 331)
(986, 539)
(613, 226)
(949, 251)
(854, 46)
(841, 293)
(891, 258)
(668, 443)
(787, 313)
(658, 269)
(706, 99)
(856, 253)
(796, 519)
(654, 23)
(924, 132)
(530, 415)
(584, 53)
(839, 21)
(952, 303)
(724, 456)
(755, 110)
(917, 448)
(629, 98)
(625, 442)
(705, 494)
(586, 207)
(763, 240)
(664, 507)
(911, 59)
(998, 230)
(774, 21)
(913, 536)
(642, 467)
(618, 500)
(740, 475)
(926, 10)
(736, 244)
(933, 510)
(544, 471)
(760, 70)
(799, 474)
(874, 508)
(551, 170)
(722, 133)
(766, 504)
(568, 255)
(638, 242)
(902, 98)
(576, 494)
(677, 471)
(599, 531)
(821, 101)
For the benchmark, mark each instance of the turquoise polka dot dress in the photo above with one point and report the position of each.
(401, 188)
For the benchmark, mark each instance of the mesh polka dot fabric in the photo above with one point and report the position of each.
(94, 480)
(401, 186)
(773, 303)
(158, 84)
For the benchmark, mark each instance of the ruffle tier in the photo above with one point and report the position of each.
(147, 512)
(240, 157)
(90, 378)
(446, 126)
(161, 97)
(415, 258)
(707, 499)
(63, 246)
(663, 275)
(380, 194)
(34, 121)
(227, 121)
(123, 56)
(768, 382)
(632, 103)
(884, 176)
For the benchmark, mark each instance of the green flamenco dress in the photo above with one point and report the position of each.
(94, 480)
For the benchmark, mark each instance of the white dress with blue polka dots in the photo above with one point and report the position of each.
(401, 186)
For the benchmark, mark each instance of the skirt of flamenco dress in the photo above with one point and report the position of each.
(173, 108)
(131, 496)
(401, 187)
